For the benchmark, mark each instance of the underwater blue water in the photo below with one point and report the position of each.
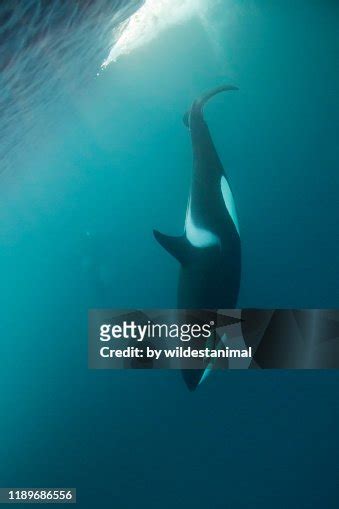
(77, 216)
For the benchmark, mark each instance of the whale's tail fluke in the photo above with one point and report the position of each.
(198, 104)
(201, 101)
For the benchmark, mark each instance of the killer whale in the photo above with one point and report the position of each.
(209, 251)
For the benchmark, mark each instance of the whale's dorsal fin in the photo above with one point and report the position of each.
(179, 247)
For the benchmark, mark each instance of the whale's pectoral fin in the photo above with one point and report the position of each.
(186, 119)
(178, 247)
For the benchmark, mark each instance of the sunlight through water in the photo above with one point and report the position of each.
(150, 20)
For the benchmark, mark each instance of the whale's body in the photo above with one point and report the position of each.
(209, 251)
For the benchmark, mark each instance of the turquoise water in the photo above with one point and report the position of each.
(77, 217)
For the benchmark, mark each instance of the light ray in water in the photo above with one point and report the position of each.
(150, 20)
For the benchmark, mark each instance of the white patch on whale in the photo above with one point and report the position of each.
(198, 237)
(229, 201)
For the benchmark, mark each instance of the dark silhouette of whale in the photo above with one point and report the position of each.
(209, 251)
